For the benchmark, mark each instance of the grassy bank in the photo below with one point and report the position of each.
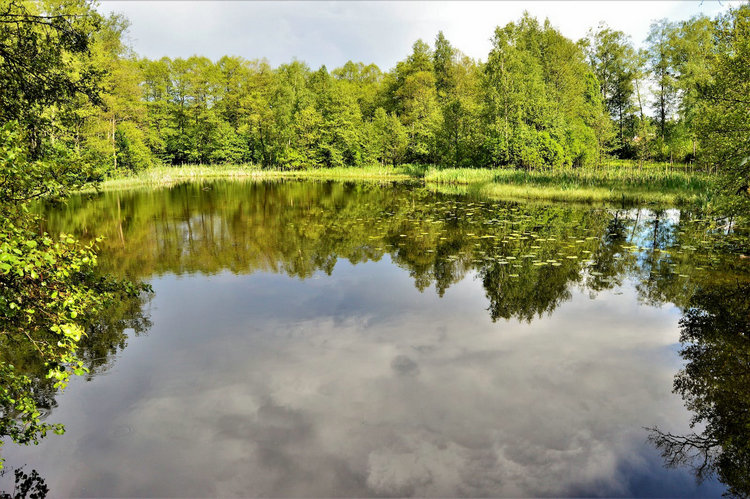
(618, 183)
(169, 175)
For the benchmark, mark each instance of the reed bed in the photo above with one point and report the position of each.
(654, 184)
(169, 175)
(621, 182)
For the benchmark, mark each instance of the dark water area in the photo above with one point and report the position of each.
(337, 339)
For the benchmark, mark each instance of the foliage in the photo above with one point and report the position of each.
(43, 66)
(539, 109)
(48, 291)
(539, 101)
(724, 120)
(428, 110)
(613, 61)
(50, 85)
(23, 180)
(76, 104)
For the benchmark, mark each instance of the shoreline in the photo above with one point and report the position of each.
(620, 185)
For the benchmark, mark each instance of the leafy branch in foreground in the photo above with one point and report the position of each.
(51, 293)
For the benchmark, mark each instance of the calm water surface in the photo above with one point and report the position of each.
(328, 339)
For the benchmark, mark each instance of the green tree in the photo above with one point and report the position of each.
(116, 133)
(156, 84)
(660, 63)
(413, 98)
(44, 67)
(724, 121)
(613, 60)
(442, 61)
(390, 138)
(538, 110)
(692, 53)
(342, 126)
(458, 137)
(257, 119)
(363, 82)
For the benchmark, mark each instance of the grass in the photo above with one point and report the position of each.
(620, 182)
(169, 175)
(613, 184)
(589, 195)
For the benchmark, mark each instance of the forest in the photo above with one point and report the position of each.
(538, 101)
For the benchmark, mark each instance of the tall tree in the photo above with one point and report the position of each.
(692, 57)
(443, 60)
(536, 107)
(38, 44)
(457, 85)
(117, 132)
(414, 99)
(660, 61)
(613, 60)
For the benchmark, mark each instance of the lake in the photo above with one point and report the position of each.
(359, 339)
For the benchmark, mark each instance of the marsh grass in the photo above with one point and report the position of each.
(619, 183)
(170, 175)
(651, 184)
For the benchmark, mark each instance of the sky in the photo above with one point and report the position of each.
(382, 32)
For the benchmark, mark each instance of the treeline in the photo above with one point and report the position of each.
(539, 100)
(534, 103)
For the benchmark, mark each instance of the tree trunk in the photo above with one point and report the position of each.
(114, 144)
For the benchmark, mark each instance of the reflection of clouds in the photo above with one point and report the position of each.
(403, 365)
(375, 393)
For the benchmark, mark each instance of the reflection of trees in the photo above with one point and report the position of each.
(25, 485)
(715, 385)
(105, 336)
(540, 291)
(527, 256)
(109, 333)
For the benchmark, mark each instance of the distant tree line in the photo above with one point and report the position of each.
(540, 100)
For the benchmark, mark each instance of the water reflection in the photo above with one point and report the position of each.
(528, 256)
(29, 485)
(715, 384)
(295, 347)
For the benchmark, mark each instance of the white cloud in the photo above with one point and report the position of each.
(382, 32)
(306, 400)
